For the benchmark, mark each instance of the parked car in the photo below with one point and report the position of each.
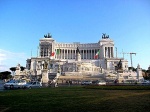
(14, 84)
(86, 83)
(34, 84)
(146, 82)
(94, 82)
(101, 82)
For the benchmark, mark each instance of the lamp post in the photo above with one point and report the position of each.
(34, 69)
(116, 52)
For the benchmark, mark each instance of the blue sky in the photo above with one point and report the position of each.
(24, 22)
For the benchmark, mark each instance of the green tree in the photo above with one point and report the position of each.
(5, 75)
(143, 70)
(22, 68)
(147, 77)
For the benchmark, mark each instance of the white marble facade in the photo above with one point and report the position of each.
(70, 60)
(106, 58)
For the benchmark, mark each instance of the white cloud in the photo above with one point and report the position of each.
(2, 56)
(10, 59)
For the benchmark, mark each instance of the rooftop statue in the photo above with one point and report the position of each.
(104, 36)
(78, 51)
(45, 36)
(119, 65)
(48, 36)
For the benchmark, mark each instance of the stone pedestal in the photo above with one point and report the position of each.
(79, 68)
(120, 77)
(44, 75)
(120, 70)
(78, 57)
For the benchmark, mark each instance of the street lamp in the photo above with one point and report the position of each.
(116, 52)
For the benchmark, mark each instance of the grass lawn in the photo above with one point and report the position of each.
(77, 99)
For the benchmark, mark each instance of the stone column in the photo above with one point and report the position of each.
(71, 53)
(67, 53)
(112, 52)
(104, 52)
(91, 54)
(83, 54)
(86, 54)
(43, 52)
(108, 52)
(74, 53)
(64, 53)
(60, 55)
(94, 53)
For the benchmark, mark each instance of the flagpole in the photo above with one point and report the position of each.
(49, 61)
(59, 59)
(99, 60)
(97, 56)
